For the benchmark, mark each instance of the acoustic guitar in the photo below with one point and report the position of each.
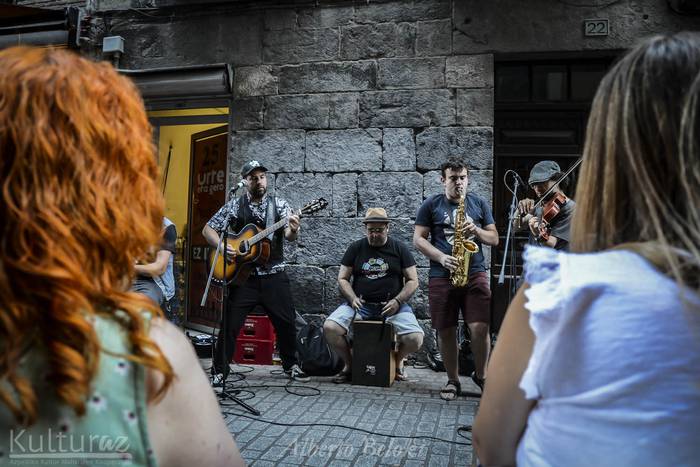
(253, 247)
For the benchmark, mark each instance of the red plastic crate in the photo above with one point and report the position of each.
(258, 328)
(253, 352)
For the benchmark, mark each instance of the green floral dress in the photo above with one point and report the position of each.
(112, 432)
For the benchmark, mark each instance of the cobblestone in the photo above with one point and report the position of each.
(404, 420)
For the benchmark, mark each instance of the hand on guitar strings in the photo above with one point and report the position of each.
(231, 253)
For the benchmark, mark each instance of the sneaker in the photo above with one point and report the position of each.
(297, 374)
(217, 380)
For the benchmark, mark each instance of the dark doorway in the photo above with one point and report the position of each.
(541, 109)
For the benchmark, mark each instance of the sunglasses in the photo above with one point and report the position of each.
(376, 229)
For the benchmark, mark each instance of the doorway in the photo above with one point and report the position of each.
(541, 108)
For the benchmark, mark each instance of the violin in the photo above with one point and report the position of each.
(550, 210)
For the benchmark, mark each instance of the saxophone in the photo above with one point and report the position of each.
(462, 249)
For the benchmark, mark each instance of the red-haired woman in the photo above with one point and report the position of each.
(84, 371)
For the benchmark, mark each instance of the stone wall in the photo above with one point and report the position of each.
(360, 103)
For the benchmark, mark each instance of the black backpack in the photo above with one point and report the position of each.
(315, 356)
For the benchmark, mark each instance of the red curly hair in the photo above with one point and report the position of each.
(79, 203)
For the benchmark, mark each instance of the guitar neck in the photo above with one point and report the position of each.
(274, 227)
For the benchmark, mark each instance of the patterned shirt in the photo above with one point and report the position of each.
(259, 210)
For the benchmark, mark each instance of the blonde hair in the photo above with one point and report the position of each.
(639, 186)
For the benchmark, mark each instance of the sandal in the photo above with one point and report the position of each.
(478, 381)
(451, 390)
(401, 374)
(343, 377)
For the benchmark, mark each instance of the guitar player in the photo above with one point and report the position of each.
(268, 284)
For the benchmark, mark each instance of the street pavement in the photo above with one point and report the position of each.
(325, 424)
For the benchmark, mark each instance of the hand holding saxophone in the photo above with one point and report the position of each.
(470, 229)
(449, 262)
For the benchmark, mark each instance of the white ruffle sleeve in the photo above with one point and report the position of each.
(544, 302)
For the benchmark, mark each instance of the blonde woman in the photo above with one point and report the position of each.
(598, 360)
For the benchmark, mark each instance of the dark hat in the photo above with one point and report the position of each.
(250, 166)
(375, 215)
(543, 171)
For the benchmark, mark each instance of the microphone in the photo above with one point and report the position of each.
(520, 180)
(238, 185)
(516, 178)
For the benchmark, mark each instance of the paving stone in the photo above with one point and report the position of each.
(438, 461)
(274, 430)
(397, 410)
(275, 453)
(339, 463)
(250, 455)
(262, 443)
(425, 427)
(366, 461)
(392, 414)
(246, 436)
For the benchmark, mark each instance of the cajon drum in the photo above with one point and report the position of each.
(373, 353)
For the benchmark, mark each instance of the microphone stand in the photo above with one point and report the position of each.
(510, 242)
(224, 394)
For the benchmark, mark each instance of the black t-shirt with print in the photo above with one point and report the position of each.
(377, 271)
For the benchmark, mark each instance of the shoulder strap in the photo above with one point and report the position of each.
(270, 214)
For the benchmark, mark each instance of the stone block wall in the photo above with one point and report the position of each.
(360, 105)
(360, 102)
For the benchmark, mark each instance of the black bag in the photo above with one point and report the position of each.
(466, 358)
(315, 356)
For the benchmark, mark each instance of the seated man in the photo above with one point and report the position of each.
(156, 279)
(384, 278)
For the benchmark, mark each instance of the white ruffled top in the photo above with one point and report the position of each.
(615, 367)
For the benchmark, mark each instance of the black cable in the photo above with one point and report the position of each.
(589, 5)
(270, 422)
(461, 430)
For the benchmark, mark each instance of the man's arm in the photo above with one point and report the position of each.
(156, 268)
(534, 224)
(488, 235)
(526, 209)
(345, 286)
(410, 285)
(420, 241)
(211, 236)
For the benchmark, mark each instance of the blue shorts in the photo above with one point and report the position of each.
(404, 321)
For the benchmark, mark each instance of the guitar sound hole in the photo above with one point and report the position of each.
(243, 249)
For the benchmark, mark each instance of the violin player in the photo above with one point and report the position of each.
(549, 219)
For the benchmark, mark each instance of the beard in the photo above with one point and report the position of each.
(377, 241)
(258, 191)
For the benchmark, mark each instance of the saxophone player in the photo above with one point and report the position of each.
(434, 236)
